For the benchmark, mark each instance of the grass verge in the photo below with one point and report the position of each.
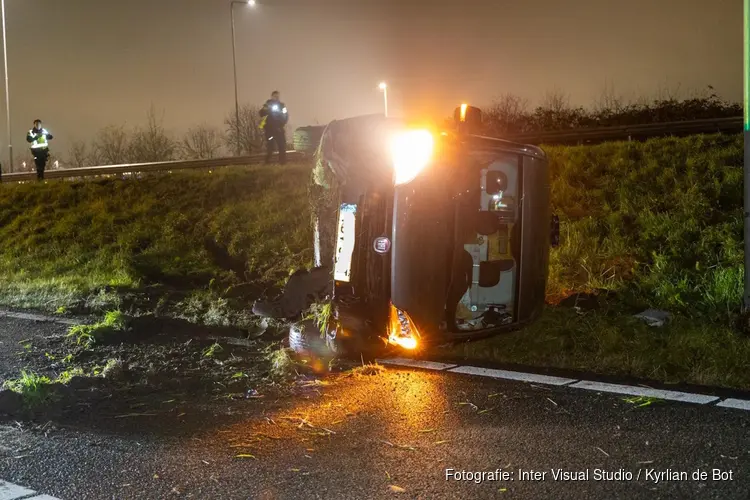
(658, 223)
(615, 344)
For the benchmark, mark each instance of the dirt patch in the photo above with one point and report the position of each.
(156, 367)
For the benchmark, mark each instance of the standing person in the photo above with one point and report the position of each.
(39, 139)
(275, 116)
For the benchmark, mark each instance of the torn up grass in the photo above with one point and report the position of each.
(34, 389)
(598, 342)
(88, 335)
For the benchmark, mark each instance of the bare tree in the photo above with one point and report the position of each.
(202, 142)
(556, 101)
(152, 143)
(609, 101)
(506, 114)
(111, 146)
(78, 155)
(247, 132)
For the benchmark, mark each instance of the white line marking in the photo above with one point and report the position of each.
(684, 397)
(415, 363)
(509, 375)
(42, 497)
(738, 404)
(10, 491)
(37, 317)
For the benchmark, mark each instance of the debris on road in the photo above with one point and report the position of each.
(654, 317)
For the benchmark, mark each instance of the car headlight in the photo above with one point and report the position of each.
(411, 151)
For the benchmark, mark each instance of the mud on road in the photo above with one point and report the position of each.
(157, 367)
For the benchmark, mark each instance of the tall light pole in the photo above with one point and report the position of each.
(7, 94)
(384, 88)
(746, 77)
(250, 3)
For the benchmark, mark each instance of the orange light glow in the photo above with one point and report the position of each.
(464, 107)
(411, 151)
(396, 335)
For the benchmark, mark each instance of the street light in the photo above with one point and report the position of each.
(746, 48)
(7, 94)
(249, 3)
(384, 88)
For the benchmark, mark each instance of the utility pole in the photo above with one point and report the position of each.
(746, 133)
(7, 94)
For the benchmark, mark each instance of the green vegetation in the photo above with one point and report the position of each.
(88, 335)
(34, 389)
(616, 344)
(88, 244)
(658, 224)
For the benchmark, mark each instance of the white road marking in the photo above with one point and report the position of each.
(630, 390)
(509, 375)
(42, 497)
(684, 397)
(738, 404)
(10, 491)
(415, 363)
(37, 317)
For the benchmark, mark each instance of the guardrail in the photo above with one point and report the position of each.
(132, 168)
(733, 124)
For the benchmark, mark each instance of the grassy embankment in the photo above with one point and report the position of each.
(658, 223)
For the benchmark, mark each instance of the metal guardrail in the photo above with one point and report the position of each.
(733, 124)
(132, 168)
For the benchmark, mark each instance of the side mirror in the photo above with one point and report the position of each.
(468, 119)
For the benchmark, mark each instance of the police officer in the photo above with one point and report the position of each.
(275, 116)
(39, 139)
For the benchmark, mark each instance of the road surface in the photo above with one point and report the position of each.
(403, 433)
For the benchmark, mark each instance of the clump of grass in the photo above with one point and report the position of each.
(66, 376)
(34, 389)
(369, 369)
(113, 368)
(282, 363)
(88, 335)
(212, 350)
(321, 313)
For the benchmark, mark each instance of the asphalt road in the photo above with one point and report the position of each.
(398, 433)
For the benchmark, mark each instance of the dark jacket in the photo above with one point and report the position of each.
(34, 138)
(276, 113)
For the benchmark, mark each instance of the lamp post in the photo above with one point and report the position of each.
(7, 94)
(249, 3)
(384, 88)
(746, 129)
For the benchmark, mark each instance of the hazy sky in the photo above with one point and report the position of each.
(83, 64)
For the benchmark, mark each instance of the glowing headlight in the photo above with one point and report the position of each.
(411, 151)
(275, 107)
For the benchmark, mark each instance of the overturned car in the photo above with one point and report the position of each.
(421, 236)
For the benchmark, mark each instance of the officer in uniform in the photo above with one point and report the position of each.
(274, 117)
(39, 139)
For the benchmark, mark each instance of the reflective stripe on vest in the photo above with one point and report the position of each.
(40, 141)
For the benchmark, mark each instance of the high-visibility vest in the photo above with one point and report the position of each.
(40, 141)
(263, 122)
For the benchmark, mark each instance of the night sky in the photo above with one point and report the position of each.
(83, 64)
